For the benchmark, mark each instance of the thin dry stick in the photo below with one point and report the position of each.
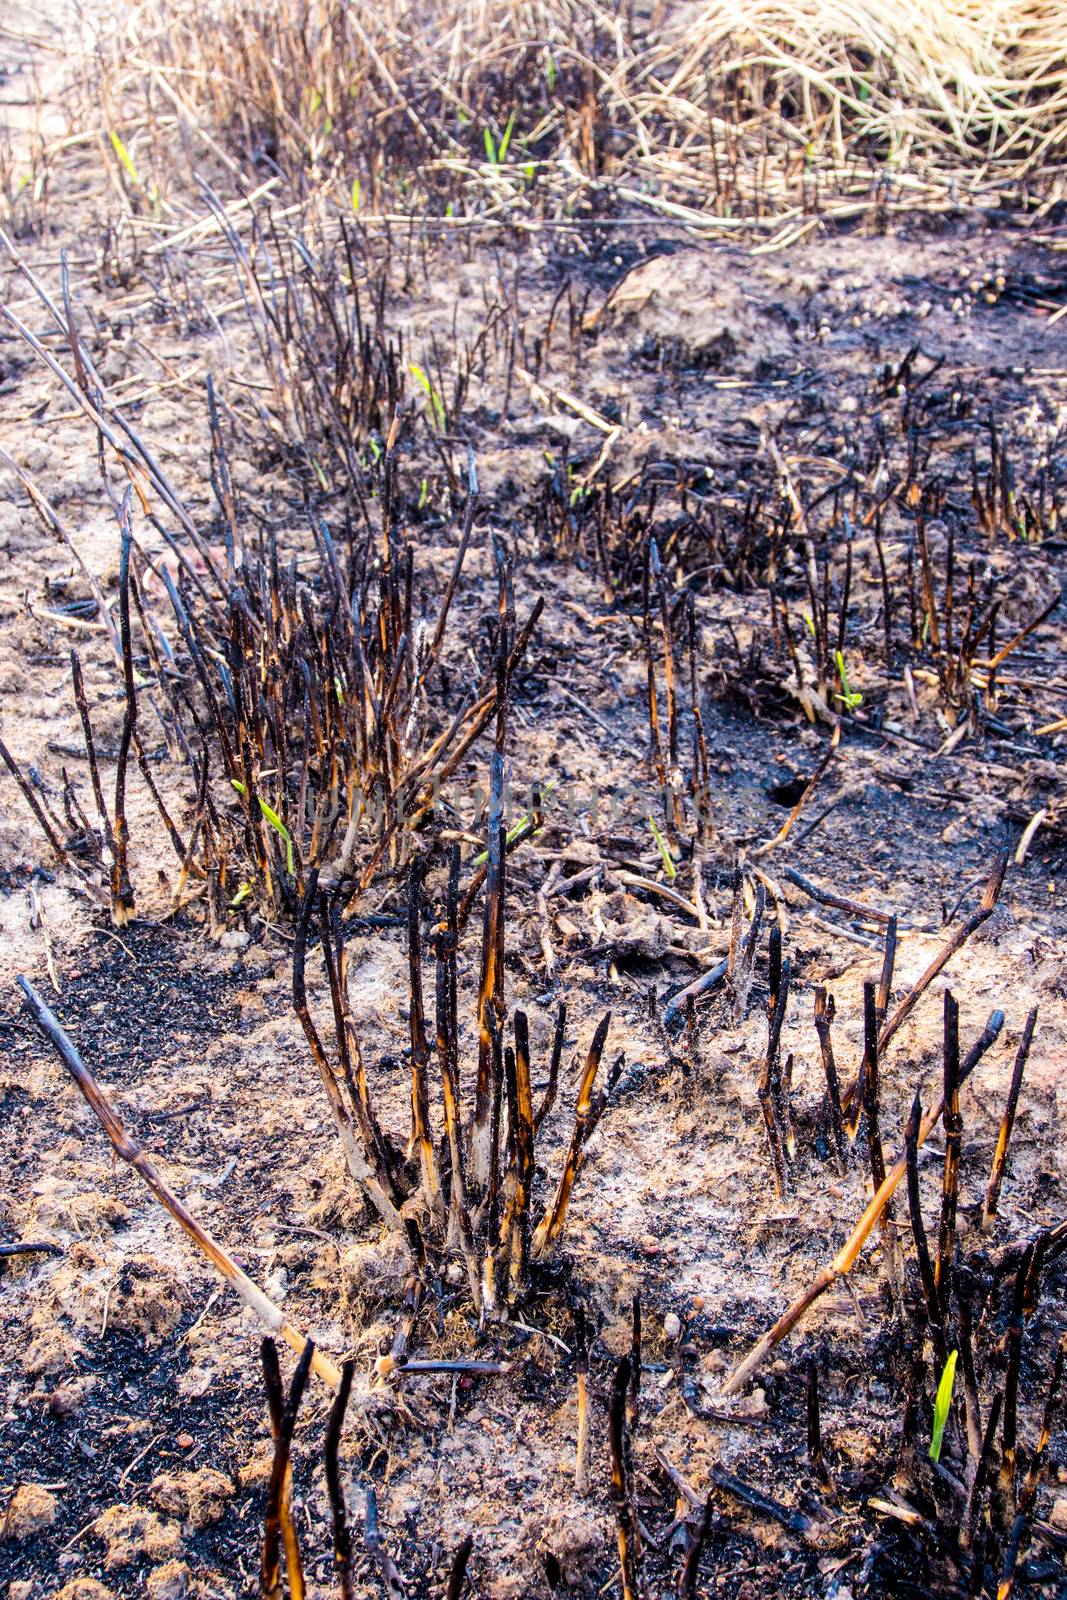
(846, 1258)
(824, 1016)
(621, 1485)
(553, 1068)
(990, 896)
(581, 1368)
(458, 1574)
(421, 1132)
(32, 801)
(90, 751)
(1000, 1155)
(586, 1116)
(122, 900)
(922, 1250)
(268, 1313)
(809, 789)
(372, 1534)
(687, 1583)
(946, 1238)
(764, 1092)
(342, 1537)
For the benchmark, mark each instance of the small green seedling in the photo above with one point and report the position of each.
(498, 154)
(942, 1404)
(127, 160)
(668, 860)
(276, 823)
(431, 394)
(513, 832)
(848, 697)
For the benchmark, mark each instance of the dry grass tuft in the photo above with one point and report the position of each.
(733, 109)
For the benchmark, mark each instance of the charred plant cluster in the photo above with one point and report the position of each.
(470, 1190)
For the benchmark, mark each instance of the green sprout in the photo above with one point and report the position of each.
(431, 394)
(848, 697)
(498, 154)
(276, 823)
(513, 832)
(668, 860)
(127, 160)
(942, 1404)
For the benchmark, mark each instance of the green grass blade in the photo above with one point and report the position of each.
(126, 159)
(942, 1404)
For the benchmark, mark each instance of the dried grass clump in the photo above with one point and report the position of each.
(728, 108)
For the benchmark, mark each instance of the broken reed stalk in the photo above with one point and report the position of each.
(846, 1258)
(1028, 1494)
(687, 1583)
(622, 1489)
(824, 1016)
(48, 825)
(361, 1148)
(458, 1574)
(965, 1334)
(421, 1131)
(122, 900)
(743, 968)
(587, 1114)
(130, 1152)
(633, 1393)
(1000, 1155)
(581, 1368)
(953, 1119)
(278, 1526)
(922, 1250)
(372, 1537)
(655, 735)
(814, 1421)
(491, 985)
(770, 1076)
(982, 1472)
(855, 1098)
(874, 1137)
(956, 940)
(342, 1537)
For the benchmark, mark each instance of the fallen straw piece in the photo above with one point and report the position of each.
(269, 1314)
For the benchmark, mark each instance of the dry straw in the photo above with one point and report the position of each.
(739, 108)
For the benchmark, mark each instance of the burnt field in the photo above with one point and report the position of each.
(532, 813)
